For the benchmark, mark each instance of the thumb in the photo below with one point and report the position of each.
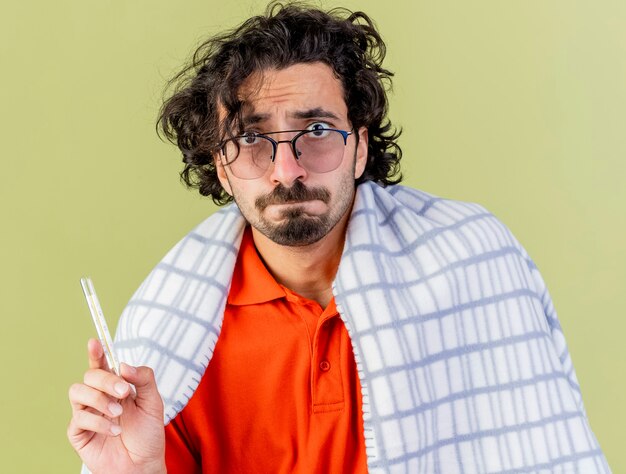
(142, 378)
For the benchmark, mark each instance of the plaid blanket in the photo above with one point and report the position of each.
(462, 361)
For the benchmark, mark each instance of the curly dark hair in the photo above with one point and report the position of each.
(285, 35)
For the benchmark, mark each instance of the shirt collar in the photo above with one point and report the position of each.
(252, 283)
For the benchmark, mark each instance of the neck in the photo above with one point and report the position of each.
(308, 270)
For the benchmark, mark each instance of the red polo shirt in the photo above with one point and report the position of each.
(281, 393)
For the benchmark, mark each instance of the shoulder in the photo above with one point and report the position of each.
(173, 320)
(438, 211)
(412, 215)
(402, 198)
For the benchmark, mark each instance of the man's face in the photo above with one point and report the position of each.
(289, 204)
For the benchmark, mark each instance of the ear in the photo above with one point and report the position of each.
(361, 153)
(221, 172)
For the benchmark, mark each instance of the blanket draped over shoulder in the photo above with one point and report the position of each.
(462, 361)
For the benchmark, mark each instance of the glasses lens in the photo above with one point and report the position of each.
(248, 156)
(320, 151)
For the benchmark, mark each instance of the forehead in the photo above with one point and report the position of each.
(300, 87)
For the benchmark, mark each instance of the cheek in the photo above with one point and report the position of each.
(245, 196)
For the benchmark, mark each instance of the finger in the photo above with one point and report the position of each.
(107, 382)
(84, 420)
(97, 359)
(83, 396)
(145, 384)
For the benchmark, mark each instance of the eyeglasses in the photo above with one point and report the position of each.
(318, 150)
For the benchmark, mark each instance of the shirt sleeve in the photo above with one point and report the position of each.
(180, 456)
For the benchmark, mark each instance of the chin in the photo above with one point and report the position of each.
(298, 231)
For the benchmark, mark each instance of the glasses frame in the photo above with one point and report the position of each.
(344, 133)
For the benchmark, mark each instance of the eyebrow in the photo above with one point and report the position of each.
(316, 112)
(253, 119)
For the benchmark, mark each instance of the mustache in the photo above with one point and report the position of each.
(296, 193)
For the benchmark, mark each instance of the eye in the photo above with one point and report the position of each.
(248, 139)
(319, 129)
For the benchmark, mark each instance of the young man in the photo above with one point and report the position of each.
(326, 322)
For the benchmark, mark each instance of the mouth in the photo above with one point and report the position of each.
(298, 194)
(289, 203)
(292, 209)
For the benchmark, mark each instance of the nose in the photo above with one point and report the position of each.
(286, 169)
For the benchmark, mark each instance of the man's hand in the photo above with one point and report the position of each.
(112, 428)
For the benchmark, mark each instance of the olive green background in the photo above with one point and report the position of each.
(517, 105)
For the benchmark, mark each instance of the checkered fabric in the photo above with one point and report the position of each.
(462, 361)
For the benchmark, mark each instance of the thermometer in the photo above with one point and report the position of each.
(101, 325)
